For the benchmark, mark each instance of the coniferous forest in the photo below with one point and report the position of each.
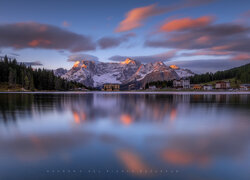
(15, 74)
(241, 73)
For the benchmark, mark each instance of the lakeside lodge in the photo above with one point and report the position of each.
(245, 87)
(183, 83)
(222, 85)
(111, 87)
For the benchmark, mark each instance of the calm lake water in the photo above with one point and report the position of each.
(124, 136)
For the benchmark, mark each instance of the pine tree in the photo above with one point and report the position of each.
(12, 77)
(32, 88)
(26, 82)
(58, 84)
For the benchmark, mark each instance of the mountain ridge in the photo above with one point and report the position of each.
(95, 74)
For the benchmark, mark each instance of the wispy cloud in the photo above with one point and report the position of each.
(206, 52)
(208, 65)
(147, 59)
(14, 54)
(35, 35)
(109, 42)
(241, 56)
(135, 18)
(186, 23)
(33, 63)
(80, 57)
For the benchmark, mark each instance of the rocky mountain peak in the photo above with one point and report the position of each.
(76, 64)
(129, 61)
(160, 66)
(83, 64)
(174, 67)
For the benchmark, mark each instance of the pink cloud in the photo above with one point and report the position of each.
(223, 47)
(242, 56)
(135, 17)
(203, 40)
(186, 23)
(38, 42)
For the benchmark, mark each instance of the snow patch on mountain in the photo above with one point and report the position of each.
(182, 73)
(99, 80)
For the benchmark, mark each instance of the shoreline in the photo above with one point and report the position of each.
(130, 92)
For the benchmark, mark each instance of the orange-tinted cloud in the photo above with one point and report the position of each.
(37, 42)
(242, 56)
(135, 17)
(203, 40)
(186, 23)
(222, 47)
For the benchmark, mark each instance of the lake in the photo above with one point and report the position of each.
(124, 136)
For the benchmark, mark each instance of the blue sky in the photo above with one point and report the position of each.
(98, 20)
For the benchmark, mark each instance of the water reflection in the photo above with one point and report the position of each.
(139, 135)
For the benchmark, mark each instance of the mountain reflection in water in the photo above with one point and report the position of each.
(126, 136)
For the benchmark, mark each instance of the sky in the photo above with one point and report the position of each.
(205, 35)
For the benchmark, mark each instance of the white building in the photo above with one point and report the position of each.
(245, 87)
(152, 87)
(208, 87)
(222, 85)
(181, 83)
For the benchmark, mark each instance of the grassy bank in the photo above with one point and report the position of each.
(4, 87)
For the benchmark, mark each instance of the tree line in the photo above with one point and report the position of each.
(241, 73)
(15, 73)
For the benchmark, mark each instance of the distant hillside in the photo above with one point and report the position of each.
(241, 73)
(17, 76)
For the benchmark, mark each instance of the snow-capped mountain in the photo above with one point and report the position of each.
(95, 74)
(182, 73)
